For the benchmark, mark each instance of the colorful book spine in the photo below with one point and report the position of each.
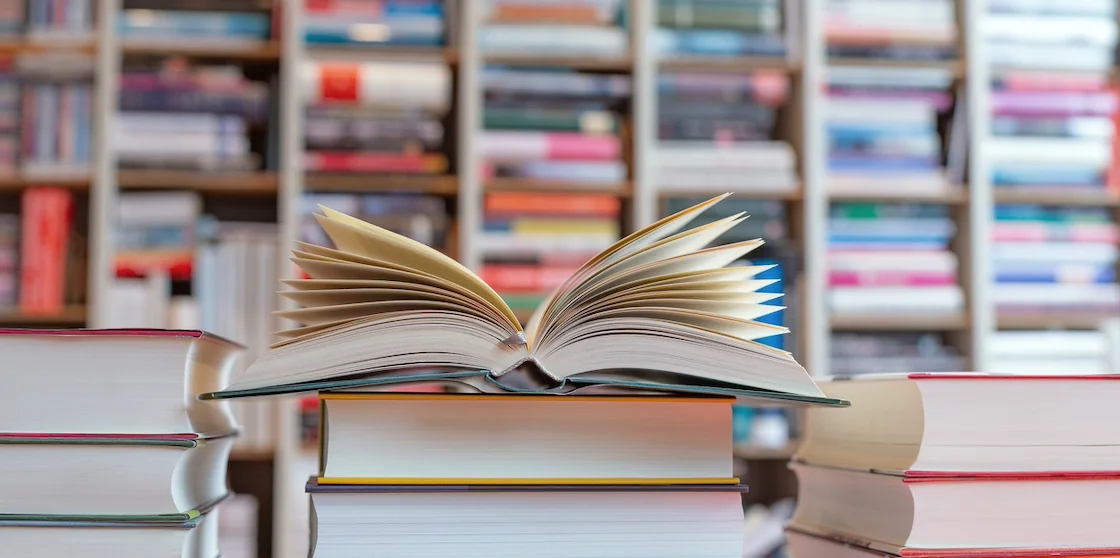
(195, 24)
(46, 214)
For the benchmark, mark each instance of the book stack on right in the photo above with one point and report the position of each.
(960, 465)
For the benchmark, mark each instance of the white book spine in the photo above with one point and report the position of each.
(863, 300)
(943, 262)
(1054, 252)
(414, 84)
(1058, 150)
(553, 39)
(1050, 29)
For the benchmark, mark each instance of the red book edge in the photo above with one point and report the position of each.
(1020, 552)
(56, 436)
(980, 376)
(911, 477)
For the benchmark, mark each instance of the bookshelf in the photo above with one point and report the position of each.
(806, 65)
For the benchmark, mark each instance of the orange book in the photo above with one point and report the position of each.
(603, 205)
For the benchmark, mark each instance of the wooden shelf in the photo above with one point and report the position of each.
(756, 453)
(954, 67)
(734, 64)
(21, 182)
(24, 47)
(443, 185)
(375, 52)
(907, 322)
(70, 316)
(1048, 320)
(794, 195)
(619, 63)
(560, 186)
(953, 196)
(1057, 196)
(269, 51)
(217, 183)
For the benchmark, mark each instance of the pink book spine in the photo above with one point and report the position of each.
(890, 278)
(1038, 232)
(1101, 103)
(939, 100)
(579, 147)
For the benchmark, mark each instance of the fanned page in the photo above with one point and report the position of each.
(657, 304)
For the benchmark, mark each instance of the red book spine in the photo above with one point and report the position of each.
(517, 204)
(841, 278)
(332, 161)
(581, 147)
(1112, 178)
(525, 278)
(46, 229)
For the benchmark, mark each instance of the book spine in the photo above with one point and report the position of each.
(525, 278)
(46, 227)
(160, 23)
(253, 109)
(516, 204)
(1015, 103)
(552, 146)
(556, 120)
(334, 161)
(421, 85)
(851, 278)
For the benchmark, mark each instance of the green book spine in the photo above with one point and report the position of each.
(590, 121)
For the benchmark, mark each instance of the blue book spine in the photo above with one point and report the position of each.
(315, 36)
(848, 238)
(881, 164)
(1104, 275)
(717, 42)
(1052, 176)
(776, 318)
(202, 24)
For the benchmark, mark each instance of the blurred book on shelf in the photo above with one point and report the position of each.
(532, 242)
(421, 218)
(10, 121)
(56, 129)
(889, 352)
(363, 23)
(1049, 352)
(1076, 35)
(1055, 261)
(191, 117)
(188, 29)
(9, 261)
(719, 28)
(554, 125)
(12, 18)
(715, 133)
(157, 232)
(376, 117)
(889, 131)
(892, 259)
(898, 29)
(52, 252)
(60, 20)
(592, 28)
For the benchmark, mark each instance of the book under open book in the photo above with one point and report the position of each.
(658, 311)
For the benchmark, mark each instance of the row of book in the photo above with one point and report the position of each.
(554, 125)
(892, 259)
(47, 20)
(191, 117)
(720, 28)
(715, 133)
(894, 29)
(156, 25)
(893, 131)
(46, 123)
(412, 24)
(424, 219)
(42, 254)
(536, 27)
(376, 117)
(1049, 260)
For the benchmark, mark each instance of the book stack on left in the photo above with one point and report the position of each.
(961, 465)
(104, 446)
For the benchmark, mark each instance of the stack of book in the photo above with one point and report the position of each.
(554, 125)
(1052, 36)
(1055, 260)
(188, 117)
(1052, 132)
(375, 117)
(9, 261)
(60, 20)
(525, 456)
(122, 459)
(960, 465)
(715, 131)
(531, 243)
(334, 22)
(893, 29)
(421, 218)
(157, 231)
(892, 259)
(56, 128)
(1050, 352)
(191, 29)
(885, 352)
(575, 28)
(883, 131)
(719, 28)
(51, 255)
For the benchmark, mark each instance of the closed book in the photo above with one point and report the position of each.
(564, 40)
(767, 155)
(890, 278)
(748, 16)
(100, 537)
(46, 214)
(111, 475)
(895, 300)
(1042, 231)
(418, 85)
(543, 440)
(554, 83)
(374, 162)
(717, 42)
(591, 172)
(549, 119)
(764, 87)
(1084, 127)
(160, 23)
(1052, 104)
(520, 204)
(553, 146)
(575, 13)
(132, 382)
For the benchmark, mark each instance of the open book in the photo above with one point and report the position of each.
(657, 311)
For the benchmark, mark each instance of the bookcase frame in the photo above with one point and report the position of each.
(806, 64)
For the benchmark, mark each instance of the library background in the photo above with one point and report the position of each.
(936, 181)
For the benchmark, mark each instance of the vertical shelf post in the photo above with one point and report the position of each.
(814, 285)
(470, 125)
(980, 211)
(103, 182)
(643, 102)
